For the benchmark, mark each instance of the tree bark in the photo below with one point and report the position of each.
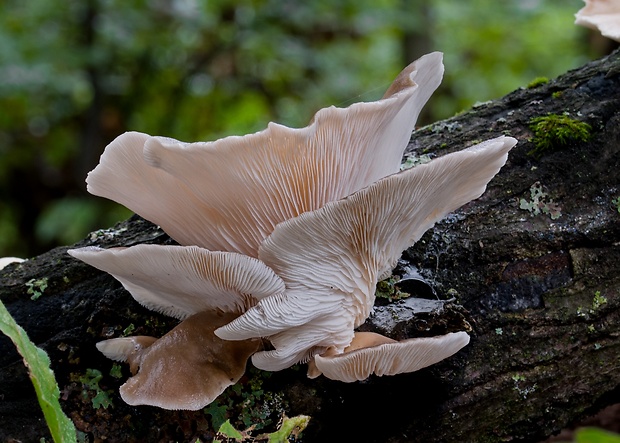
(540, 297)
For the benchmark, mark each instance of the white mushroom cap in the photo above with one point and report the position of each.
(371, 353)
(330, 258)
(4, 261)
(601, 15)
(230, 194)
(182, 280)
(185, 369)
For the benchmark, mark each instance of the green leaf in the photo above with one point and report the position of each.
(229, 431)
(38, 364)
(218, 414)
(595, 435)
(102, 399)
(289, 426)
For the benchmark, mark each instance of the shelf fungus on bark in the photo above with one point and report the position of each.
(371, 353)
(228, 195)
(330, 259)
(601, 15)
(185, 369)
(190, 366)
(287, 232)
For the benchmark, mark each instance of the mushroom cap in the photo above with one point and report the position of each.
(229, 194)
(329, 259)
(185, 369)
(4, 261)
(601, 15)
(371, 353)
(182, 280)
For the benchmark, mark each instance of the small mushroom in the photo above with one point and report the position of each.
(601, 15)
(185, 369)
(182, 280)
(371, 353)
(4, 261)
(330, 258)
(228, 195)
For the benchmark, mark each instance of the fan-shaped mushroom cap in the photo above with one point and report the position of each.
(601, 15)
(329, 259)
(371, 353)
(185, 369)
(183, 280)
(229, 194)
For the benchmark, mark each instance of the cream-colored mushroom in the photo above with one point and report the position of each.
(185, 369)
(228, 195)
(188, 367)
(4, 261)
(330, 258)
(601, 15)
(371, 353)
(182, 280)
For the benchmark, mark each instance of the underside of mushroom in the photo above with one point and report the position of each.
(228, 195)
(371, 353)
(284, 234)
(330, 258)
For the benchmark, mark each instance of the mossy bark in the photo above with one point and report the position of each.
(540, 296)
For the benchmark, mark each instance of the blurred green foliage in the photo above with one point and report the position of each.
(77, 73)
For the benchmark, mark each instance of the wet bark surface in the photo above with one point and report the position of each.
(539, 295)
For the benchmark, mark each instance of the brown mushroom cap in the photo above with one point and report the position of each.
(242, 187)
(601, 15)
(330, 258)
(371, 353)
(183, 280)
(185, 369)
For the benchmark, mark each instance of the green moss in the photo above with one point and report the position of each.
(598, 301)
(553, 132)
(36, 287)
(556, 94)
(388, 289)
(91, 389)
(538, 81)
(253, 406)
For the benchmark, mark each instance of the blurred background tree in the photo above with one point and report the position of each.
(75, 74)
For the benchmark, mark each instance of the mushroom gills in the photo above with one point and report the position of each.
(371, 353)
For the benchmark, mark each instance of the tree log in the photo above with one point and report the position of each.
(530, 269)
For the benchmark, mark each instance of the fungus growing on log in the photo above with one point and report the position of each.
(370, 353)
(5, 261)
(287, 232)
(601, 15)
(330, 259)
(185, 369)
(228, 195)
(180, 281)
(188, 367)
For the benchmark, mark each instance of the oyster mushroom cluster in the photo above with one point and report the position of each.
(284, 234)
